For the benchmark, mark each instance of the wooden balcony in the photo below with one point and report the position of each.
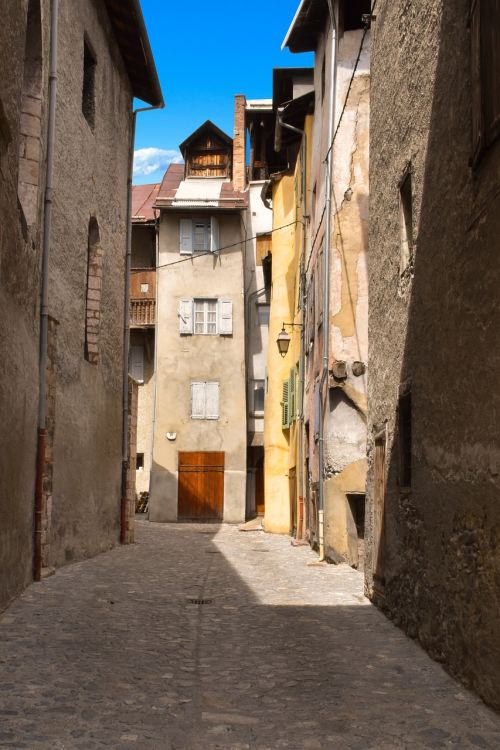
(142, 312)
(142, 297)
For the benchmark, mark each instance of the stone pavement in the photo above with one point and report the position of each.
(114, 653)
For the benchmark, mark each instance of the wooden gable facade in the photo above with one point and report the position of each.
(208, 152)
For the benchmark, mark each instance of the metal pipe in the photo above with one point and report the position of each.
(326, 277)
(126, 316)
(155, 360)
(44, 293)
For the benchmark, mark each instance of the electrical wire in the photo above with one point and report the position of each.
(226, 247)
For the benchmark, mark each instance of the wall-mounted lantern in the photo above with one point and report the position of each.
(283, 340)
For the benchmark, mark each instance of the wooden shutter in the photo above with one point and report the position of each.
(225, 317)
(263, 248)
(211, 400)
(136, 363)
(186, 316)
(292, 399)
(186, 237)
(285, 413)
(490, 68)
(198, 400)
(214, 234)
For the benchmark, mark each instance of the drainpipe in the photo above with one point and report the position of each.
(44, 294)
(155, 361)
(126, 323)
(326, 279)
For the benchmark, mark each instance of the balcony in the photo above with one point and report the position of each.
(142, 297)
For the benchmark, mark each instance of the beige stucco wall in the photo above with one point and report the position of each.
(183, 359)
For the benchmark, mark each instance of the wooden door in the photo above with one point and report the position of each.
(379, 516)
(201, 486)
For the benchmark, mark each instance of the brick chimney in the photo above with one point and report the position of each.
(239, 143)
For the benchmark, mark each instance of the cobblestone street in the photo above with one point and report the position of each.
(117, 652)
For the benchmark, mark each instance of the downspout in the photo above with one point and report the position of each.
(326, 279)
(44, 294)
(126, 323)
(155, 358)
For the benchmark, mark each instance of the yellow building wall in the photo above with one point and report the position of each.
(281, 446)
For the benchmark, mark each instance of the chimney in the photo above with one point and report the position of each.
(239, 144)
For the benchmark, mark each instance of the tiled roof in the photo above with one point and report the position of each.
(197, 192)
(143, 200)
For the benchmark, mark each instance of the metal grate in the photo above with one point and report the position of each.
(200, 601)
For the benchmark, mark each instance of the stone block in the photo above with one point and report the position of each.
(30, 125)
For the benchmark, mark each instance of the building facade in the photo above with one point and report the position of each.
(200, 428)
(77, 474)
(433, 551)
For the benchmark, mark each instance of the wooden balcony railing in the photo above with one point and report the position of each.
(142, 312)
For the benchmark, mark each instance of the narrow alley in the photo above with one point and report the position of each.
(200, 636)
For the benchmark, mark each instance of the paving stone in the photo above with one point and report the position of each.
(110, 653)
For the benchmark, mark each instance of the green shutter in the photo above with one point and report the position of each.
(285, 414)
(293, 410)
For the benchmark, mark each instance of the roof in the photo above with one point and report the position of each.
(143, 200)
(308, 22)
(133, 41)
(177, 193)
(207, 125)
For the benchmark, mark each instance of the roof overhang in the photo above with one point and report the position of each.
(308, 22)
(128, 25)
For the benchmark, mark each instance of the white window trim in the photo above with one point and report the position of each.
(205, 301)
(204, 416)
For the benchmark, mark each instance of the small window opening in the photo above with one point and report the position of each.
(139, 464)
(406, 221)
(405, 440)
(88, 89)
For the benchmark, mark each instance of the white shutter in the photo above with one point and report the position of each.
(225, 317)
(186, 237)
(136, 363)
(185, 316)
(214, 234)
(198, 400)
(212, 401)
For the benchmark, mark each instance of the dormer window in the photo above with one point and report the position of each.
(208, 152)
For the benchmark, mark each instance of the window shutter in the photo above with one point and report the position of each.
(212, 401)
(186, 316)
(214, 234)
(198, 400)
(292, 395)
(225, 317)
(136, 363)
(186, 237)
(476, 104)
(285, 414)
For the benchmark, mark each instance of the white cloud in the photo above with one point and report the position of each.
(149, 160)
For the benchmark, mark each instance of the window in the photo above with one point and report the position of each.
(285, 413)
(94, 291)
(199, 235)
(404, 435)
(406, 220)
(204, 400)
(205, 317)
(485, 55)
(139, 461)
(88, 87)
(263, 314)
(257, 396)
(136, 363)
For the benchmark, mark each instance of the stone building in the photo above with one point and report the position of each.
(433, 544)
(78, 473)
(335, 275)
(199, 437)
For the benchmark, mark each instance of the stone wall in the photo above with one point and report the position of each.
(430, 322)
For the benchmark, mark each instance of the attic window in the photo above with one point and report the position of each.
(88, 88)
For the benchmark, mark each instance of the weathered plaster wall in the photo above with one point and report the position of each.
(19, 283)
(90, 175)
(438, 334)
(183, 359)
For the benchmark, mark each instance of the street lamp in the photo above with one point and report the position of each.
(283, 340)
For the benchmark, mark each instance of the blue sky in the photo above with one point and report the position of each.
(206, 52)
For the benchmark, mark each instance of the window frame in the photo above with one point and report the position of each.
(253, 389)
(205, 301)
